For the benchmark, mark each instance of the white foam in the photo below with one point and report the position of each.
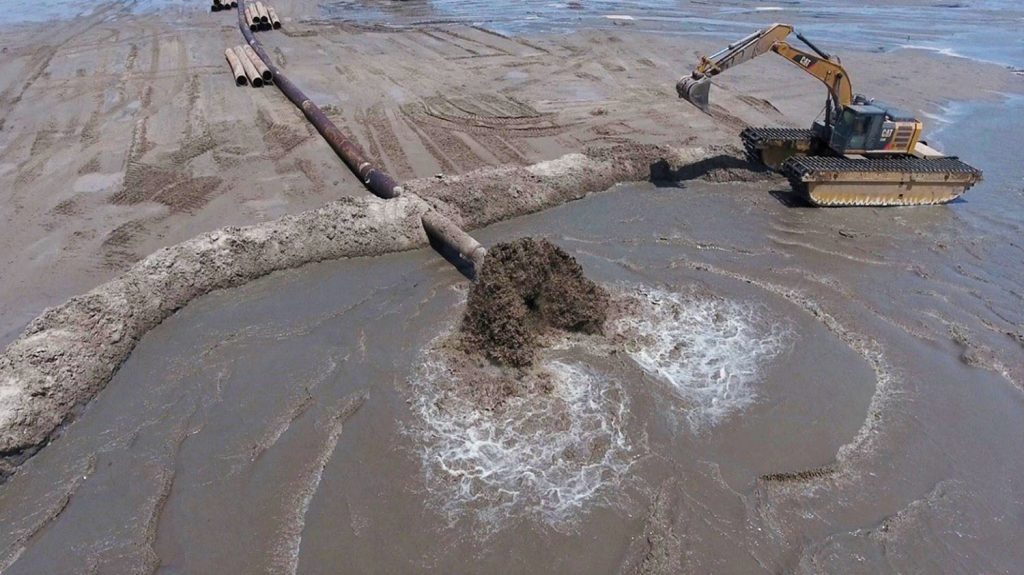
(551, 457)
(710, 351)
(938, 119)
(542, 457)
(945, 51)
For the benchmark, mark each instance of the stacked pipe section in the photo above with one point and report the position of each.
(260, 16)
(247, 67)
(219, 5)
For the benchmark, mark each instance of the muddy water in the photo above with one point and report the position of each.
(981, 29)
(986, 30)
(869, 361)
(219, 446)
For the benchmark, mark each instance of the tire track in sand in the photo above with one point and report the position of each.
(384, 143)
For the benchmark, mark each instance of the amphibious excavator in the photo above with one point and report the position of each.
(864, 152)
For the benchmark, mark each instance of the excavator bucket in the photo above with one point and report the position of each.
(696, 92)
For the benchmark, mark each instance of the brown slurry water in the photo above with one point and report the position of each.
(228, 441)
(302, 422)
(525, 287)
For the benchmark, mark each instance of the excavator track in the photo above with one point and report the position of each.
(904, 181)
(772, 146)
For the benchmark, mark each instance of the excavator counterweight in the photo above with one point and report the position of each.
(865, 153)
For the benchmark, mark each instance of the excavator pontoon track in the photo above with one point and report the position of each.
(772, 146)
(905, 181)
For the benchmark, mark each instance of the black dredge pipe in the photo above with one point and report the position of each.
(451, 241)
(378, 182)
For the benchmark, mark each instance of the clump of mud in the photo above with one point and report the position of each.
(524, 288)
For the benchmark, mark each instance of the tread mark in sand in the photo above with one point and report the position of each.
(482, 113)
(80, 27)
(385, 146)
(444, 161)
(279, 137)
(117, 247)
(445, 41)
(497, 51)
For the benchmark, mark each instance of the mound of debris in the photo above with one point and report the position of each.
(523, 288)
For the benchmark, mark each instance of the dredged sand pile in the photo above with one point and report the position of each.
(525, 287)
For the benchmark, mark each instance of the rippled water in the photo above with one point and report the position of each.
(709, 350)
(986, 30)
(543, 457)
(981, 29)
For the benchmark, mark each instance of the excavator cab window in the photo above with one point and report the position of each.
(857, 129)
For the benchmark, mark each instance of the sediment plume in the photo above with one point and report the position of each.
(659, 551)
(541, 448)
(524, 288)
(285, 558)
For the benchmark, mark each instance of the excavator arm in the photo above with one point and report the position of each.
(830, 72)
(696, 88)
(739, 52)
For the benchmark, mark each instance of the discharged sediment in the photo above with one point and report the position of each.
(525, 287)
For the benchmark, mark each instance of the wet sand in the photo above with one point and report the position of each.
(286, 425)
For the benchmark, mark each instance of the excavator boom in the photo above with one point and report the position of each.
(696, 88)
